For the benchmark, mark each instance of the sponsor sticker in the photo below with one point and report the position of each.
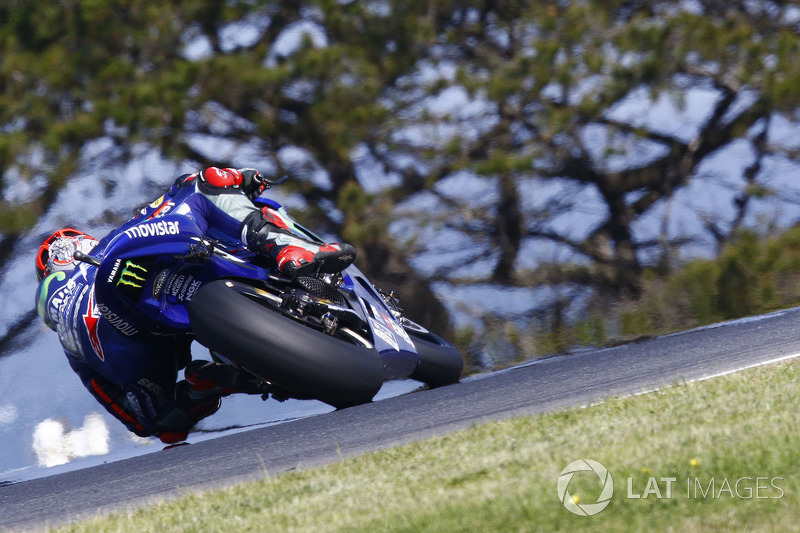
(384, 333)
(116, 321)
(152, 229)
(57, 305)
(182, 287)
(114, 271)
(60, 307)
(193, 286)
(392, 324)
(397, 328)
(165, 208)
(132, 275)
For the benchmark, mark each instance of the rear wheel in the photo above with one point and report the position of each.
(293, 356)
(440, 363)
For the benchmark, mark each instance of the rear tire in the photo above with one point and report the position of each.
(440, 363)
(305, 362)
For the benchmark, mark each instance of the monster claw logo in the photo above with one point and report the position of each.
(132, 275)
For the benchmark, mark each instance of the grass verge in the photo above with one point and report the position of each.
(502, 476)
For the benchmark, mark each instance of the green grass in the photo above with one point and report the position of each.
(502, 476)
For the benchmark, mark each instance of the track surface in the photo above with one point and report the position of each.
(544, 386)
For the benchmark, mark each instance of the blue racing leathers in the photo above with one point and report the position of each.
(133, 373)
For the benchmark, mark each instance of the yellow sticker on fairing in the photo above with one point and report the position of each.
(157, 202)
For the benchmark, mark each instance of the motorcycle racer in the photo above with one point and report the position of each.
(133, 373)
(221, 200)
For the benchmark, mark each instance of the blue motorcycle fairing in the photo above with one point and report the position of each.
(391, 340)
(146, 253)
(147, 280)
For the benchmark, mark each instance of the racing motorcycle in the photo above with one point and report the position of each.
(330, 337)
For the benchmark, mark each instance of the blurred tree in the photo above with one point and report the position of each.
(167, 74)
(554, 134)
(550, 83)
(499, 131)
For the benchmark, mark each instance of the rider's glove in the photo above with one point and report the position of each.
(146, 399)
(249, 180)
(253, 183)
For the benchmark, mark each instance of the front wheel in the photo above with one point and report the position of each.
(286, 353)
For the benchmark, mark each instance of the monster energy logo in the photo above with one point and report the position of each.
(132, 275)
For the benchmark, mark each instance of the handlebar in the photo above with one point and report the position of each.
(200, 251)
(83, 258)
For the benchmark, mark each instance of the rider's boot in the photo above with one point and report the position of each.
(208, 379)
(174, 424)
(268, 233)
(197, 406)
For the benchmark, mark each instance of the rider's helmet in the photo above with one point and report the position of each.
(56, 252)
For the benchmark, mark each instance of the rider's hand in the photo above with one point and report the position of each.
(253, 183)
(147, 400)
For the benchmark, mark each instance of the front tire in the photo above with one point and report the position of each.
(284, 352)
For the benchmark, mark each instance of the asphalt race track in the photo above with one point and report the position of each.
(546, 385)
